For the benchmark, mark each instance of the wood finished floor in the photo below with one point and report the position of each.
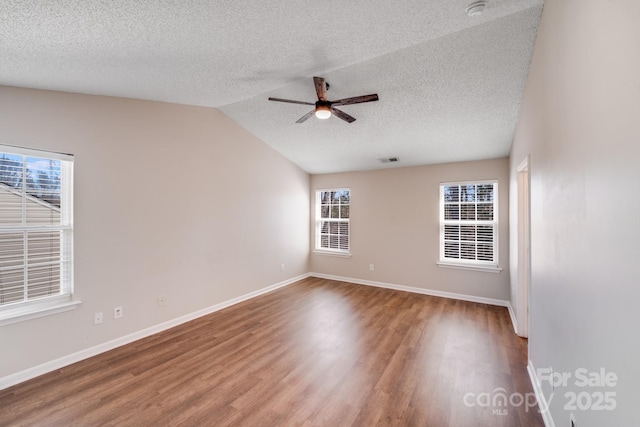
(315, 353)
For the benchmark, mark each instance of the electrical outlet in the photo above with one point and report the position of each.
(371, 267)
(162, 300)
(117, 312)
(97, 318)
(281, 267)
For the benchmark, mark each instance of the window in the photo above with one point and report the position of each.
(332, 220)
(36, 273)
(469, 224)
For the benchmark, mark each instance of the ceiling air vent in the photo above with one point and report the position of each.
(389, 160)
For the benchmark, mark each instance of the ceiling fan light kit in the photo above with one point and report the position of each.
(322, 111)
(325, 108)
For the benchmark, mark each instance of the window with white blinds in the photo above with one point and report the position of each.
(469, 223)
(35, 228)
(332, 220)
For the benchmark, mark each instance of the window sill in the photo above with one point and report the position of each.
(485, 268)
(21, 314)
(332, 253)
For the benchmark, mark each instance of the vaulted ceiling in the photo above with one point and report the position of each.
(449, 84)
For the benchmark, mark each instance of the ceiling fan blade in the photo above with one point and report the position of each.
(291, 101)
(321, 88)
(342, 115)
(305, 117)
(356, 99)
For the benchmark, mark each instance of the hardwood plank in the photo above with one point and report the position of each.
(316, 353)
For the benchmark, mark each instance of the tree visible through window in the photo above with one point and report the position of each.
(35, 226)
(332, 220)
(469, 223)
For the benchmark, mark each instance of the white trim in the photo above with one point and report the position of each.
(31, 152)
(470, 182)
(513, 317)
(27, 374)
(524, 164)
(318, 223)
(27, 308)
(33, 311)
(460, 266)
(332, 253)
(495, 223)
(543, 405)
(524, 245)
(333, 189)
(423, 291)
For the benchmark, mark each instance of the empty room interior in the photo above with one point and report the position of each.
(319, 213)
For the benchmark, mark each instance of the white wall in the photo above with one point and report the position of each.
(395, 226)
(169, 200)
(579, 124)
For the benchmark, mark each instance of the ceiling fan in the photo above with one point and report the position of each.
(325, 108)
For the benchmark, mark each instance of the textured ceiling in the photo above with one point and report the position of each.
(450, 85)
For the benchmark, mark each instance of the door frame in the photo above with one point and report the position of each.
(524, 246)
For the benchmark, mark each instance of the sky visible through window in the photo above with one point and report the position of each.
(42, 176)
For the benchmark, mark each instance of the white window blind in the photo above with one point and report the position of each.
(332, 220)
(469, 223)
(35, 226)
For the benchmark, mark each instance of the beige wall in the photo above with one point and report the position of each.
(169, 200)
(579, 124)
(395, 226)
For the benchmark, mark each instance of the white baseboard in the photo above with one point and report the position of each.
(463, 297)
(542, 401)
(27, 374)
(512, 315)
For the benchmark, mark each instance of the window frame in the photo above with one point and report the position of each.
(474, 264)
(319, 220)
(64, 299)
